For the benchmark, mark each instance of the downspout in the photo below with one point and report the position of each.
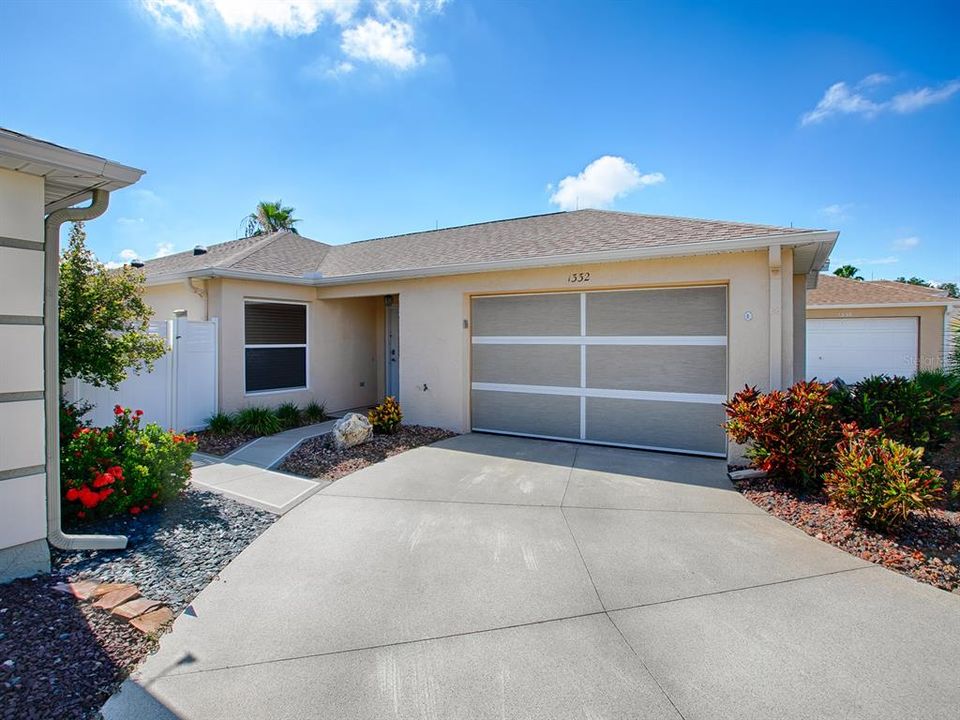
(776, 318)
(51, 368)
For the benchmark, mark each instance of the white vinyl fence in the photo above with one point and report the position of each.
(180, 393)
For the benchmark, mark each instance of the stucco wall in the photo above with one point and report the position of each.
(931, 326)
(22, 420)
(435, 346)
(799, 327)
(164, 299)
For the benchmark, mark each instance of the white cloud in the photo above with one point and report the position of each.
(906, 243)
(389, 42)
(913, 100)
(841, 99)
(837, 211)
(382, 34)
(601, 182)
(163, 249)
(113, 264)
(180, 15)
(128, 254)
(284, 17)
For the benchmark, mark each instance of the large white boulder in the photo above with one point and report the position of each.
(352, 429)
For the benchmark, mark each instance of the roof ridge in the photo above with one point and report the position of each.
(451, 227)
(712, 221)
(267, 239)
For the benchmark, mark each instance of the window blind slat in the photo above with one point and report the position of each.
(275, 324)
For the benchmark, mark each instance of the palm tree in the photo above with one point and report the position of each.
(270, 217)
(848, 271)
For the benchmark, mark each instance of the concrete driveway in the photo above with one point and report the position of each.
(497, 577)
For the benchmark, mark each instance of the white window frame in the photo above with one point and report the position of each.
(305, 346)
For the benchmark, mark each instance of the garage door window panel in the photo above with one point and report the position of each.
(689, 427)
(662, 368)
(527, 413)
(275, 346)
(557, 314)
(681, 311)
(527, 364)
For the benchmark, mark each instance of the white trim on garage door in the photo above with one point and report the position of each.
(649, 390)
(855, 348)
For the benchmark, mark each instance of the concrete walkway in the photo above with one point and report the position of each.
(268, 451)
(243, 475)
(494, 577)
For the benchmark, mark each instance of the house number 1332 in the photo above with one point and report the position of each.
(580, 277)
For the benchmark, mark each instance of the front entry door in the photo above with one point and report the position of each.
(393, 348)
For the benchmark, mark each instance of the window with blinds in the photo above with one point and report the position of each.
(275, 346)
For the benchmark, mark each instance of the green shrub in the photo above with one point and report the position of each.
(942, 383)
(257, 421)
(386, 416)
(314, 412)
(879, 480)
(791, 434)
(289, 415)
(220, 423)
(71, 418)
(905, 410)
(122, 468)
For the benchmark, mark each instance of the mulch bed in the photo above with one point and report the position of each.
(319, 458)
(221, 444)
(60, 658)
(927, 547)
(947, 461)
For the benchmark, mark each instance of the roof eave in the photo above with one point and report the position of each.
(946, 302)
(758, 242)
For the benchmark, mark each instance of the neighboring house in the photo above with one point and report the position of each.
(858, 328)
(592, 326)
(38, 180)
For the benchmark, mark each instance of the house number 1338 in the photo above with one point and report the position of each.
(580, 277)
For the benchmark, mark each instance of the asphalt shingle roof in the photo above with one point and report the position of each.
(833, 290)
(538, 236)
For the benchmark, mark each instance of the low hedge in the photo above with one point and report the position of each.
(121, 468)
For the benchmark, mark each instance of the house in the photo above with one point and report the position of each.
(39, 181)
(591, 326)
(858, 328)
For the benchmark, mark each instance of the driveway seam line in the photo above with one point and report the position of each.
(573, 465)
(514, 626)
(382, 646)
(645, 666)
(533, 505)
(741, 589)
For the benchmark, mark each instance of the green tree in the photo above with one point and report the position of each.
(103, 318)
(848, 271)
(914, 281)
(270, 217)
(951, 288)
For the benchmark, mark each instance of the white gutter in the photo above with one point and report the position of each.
(51, 367)
(760, 242)
(862, 306)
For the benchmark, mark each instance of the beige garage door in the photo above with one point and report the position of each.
(637, 368)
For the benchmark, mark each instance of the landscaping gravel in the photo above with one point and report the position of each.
(926, 547)
(173, 551)
(60, 658)
(319, 458)
(221, 444)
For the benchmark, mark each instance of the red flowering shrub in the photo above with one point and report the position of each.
(881, 481)
(791, 433)
(120, 468)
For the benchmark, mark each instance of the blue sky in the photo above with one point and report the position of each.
(377, 118)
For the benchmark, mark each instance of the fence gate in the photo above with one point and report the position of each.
(180, 393)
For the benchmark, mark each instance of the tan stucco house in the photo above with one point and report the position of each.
(857, 328)
(39, 184)
(591, 326)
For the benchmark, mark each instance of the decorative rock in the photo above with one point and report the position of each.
(117, 597)
(82, 590)
(132, 609)
(350, 430)
(152, 621)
